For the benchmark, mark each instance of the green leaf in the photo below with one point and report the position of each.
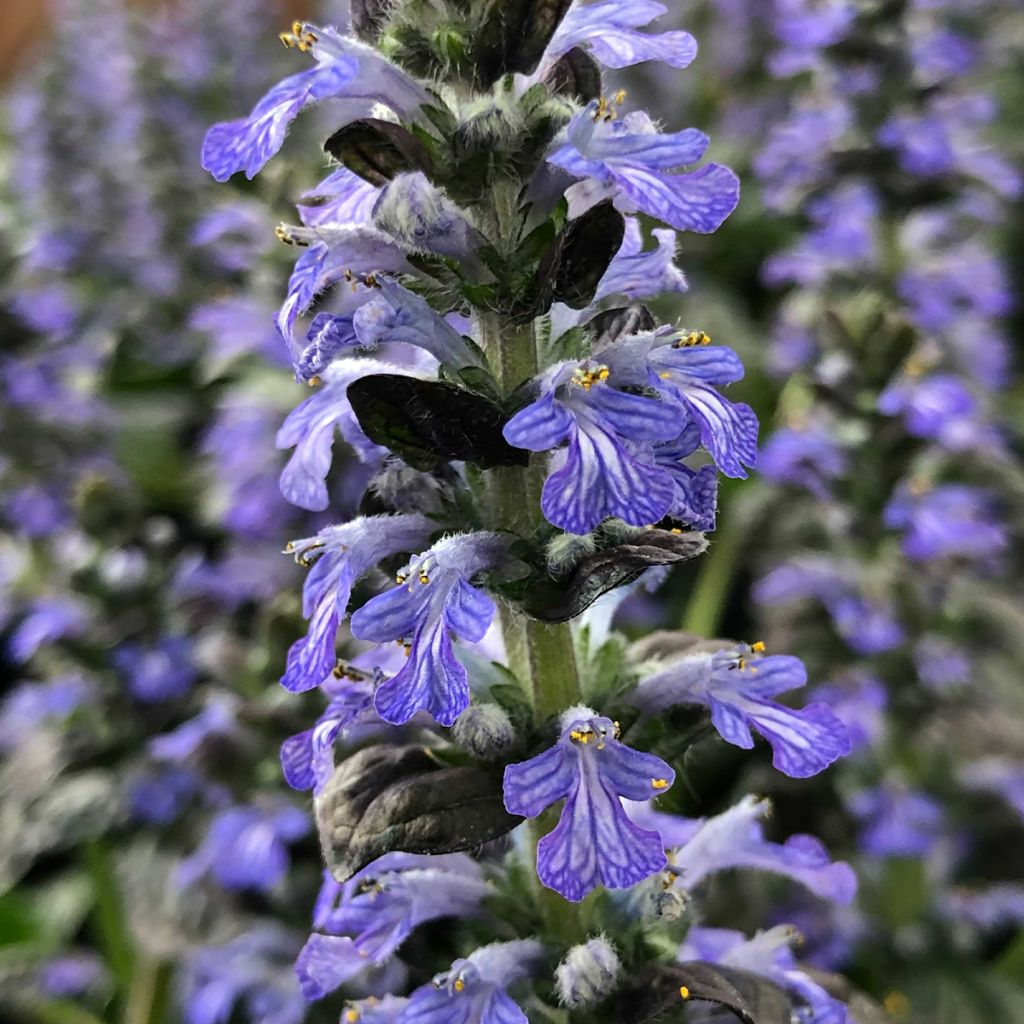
(385, 798)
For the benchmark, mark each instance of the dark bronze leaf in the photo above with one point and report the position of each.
(587, 248)
(574, 74)
(378, 150)
(427, 423)
(385, 799)
(514, 35)
(660, 993)
(560, 600)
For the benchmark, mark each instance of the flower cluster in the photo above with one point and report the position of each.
(468, 303)
(892, 448)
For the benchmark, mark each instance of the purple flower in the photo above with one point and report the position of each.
(736, 684)
(993, 908)
(607, 31)
(735, 839)
(951, 520)
(805, 27)
(237, 325)
(71, 976)
(159, 797)
(630, 160)
(941, 665)
(217, 720)
(859, 702)
(310, 427)
(307, 758)
(770, 955)
(638, 273)
(688, 371)
(235, 235)
(377, 909)
(345, 70)
(28, 706)
(696, 490)
(36, 511)
(594, 842)
(474, 989)
(432, 601)
(246, 847)
(608, 468)
(941, 54)
(897, 822)
(842, 239)
(253, 970)
(866, 622)
(806, 456)
(48, 620)
(348, 253)
(951, 280)
(798, 149)
(939, 407)
(340, 555)
(160, 672)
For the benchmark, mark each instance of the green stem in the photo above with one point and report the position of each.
(53, 1012)
(149, 994)
(706, 606)
(114, 938)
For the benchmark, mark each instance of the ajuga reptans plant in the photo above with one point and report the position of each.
(467, 305)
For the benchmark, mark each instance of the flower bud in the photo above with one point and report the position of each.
(484, 730)
(588, 973)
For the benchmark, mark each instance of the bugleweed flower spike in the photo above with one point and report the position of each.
(467, 303)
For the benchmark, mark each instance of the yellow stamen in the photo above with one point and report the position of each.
(684, 992)
(424, 578)
(758, 646)
(620, 97)
(581, 736)
(675, 529)
(587, 378)
(314, 381)
(459, 984)
(693, 338)
(659, 783)
(897, 1005)
(351, 1016)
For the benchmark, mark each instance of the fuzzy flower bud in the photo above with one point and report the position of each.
(588, 973)
(484, 730)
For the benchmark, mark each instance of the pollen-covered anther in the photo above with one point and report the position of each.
(692, 338)
(459, 985)
(583, 736)
(400, 578)
(605, 109)
(659, 783)
(758, 647)
(351, 1016)
(300, 37)
(684, 992)
(424, 578)
(315, 381)
(292, 235)
(586, 379)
